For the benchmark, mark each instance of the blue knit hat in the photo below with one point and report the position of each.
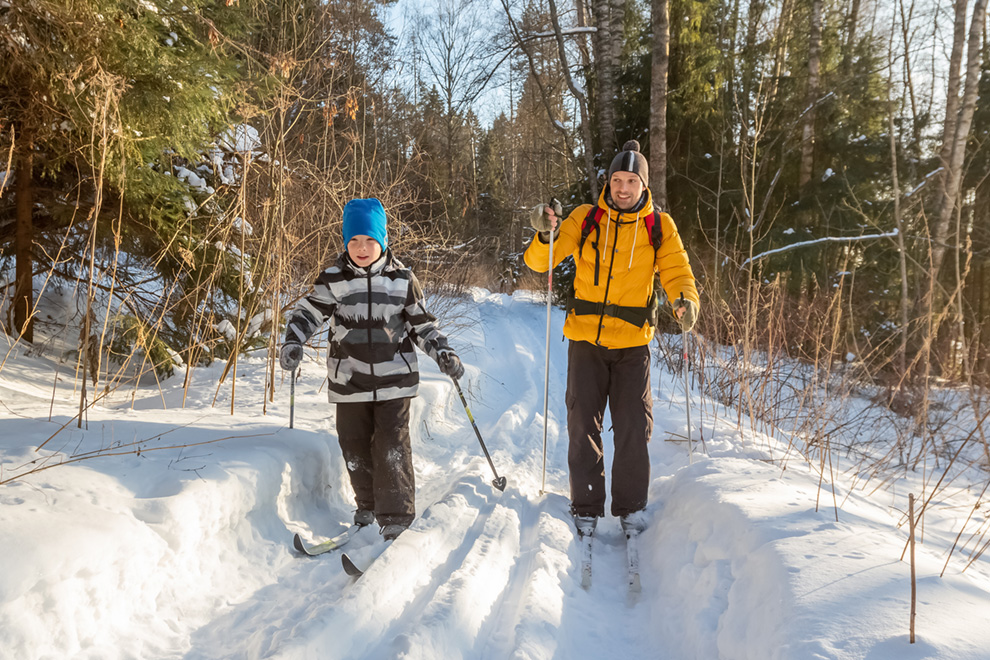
(365, 217)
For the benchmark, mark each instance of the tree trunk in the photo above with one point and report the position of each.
(811, 98)
(754, 17)
(617, 13)
(782, 35)
(658, 102)
(914, 148)
(952, 91)
(24, 239)
(954, 143)
(605, 73)
(851, 26)
(582, 100)
(582, 41)
(901, 359)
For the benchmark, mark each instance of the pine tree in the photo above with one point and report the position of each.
(103, 97)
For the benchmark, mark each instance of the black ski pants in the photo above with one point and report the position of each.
(620, 377)
(374, 439)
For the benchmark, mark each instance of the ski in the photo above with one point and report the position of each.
(325, 546)
(585, 558)
(349, 566)
(632, 562)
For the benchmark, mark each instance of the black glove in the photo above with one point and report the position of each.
(290, 356)
(451, 365)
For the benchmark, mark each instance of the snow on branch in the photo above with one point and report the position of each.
(565, 33)
(827, 239)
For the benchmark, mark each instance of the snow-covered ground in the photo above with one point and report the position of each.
(184, 549)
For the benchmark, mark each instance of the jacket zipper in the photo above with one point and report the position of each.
(608, 282)
(371, 363)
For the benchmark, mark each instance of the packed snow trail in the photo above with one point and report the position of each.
(187, 552)
(470, 579)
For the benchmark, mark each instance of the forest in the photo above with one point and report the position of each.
(177, 168)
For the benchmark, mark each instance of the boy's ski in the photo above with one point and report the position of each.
(325, 546)
(585, 540)
(349, 566)
(361, 559)
(632, 562)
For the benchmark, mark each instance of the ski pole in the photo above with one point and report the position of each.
(498, 482)
(685, 336)
(292, 399)
(555, 205)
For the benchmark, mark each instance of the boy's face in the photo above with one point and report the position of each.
(363, 250)
(626, 189)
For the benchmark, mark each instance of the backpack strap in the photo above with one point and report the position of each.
(591, 221)
(653, 225)
(637, 316)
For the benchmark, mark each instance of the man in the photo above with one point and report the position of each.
(610, 324)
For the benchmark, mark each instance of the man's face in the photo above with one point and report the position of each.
(626, 189)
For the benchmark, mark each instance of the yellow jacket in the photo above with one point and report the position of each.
(626, 263)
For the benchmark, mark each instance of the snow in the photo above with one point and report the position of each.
(241, 139)
(173, 539)
(243, 226)
(227, 329)
(825, 239)
(193, 179)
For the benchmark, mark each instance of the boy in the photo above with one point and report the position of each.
(375, 310)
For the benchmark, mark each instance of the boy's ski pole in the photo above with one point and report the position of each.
(498, 482)
(685, 336)
(292, 399)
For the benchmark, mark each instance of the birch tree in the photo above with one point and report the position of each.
(660, 56)
(958, 121)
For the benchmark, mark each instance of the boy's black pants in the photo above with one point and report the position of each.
(374, 439)
(620, 376)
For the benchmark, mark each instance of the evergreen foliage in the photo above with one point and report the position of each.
(212, 146)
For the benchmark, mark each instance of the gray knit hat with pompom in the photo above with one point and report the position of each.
(630, 160)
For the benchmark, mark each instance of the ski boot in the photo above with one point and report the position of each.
(585, 524)
(363, 517)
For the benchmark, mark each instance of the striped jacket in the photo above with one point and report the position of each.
(375, 316)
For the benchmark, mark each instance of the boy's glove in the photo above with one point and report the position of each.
(545, 218)
(290, 356)
(451, 365)
(690, 315)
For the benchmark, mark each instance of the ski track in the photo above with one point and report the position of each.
(483, 575)
(187, 552)
(480, 574)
